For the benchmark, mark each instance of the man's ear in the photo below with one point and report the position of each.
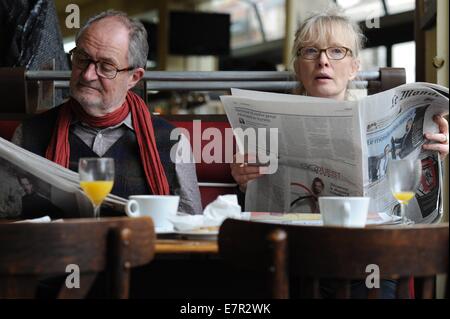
(137, 75)
(355, 69)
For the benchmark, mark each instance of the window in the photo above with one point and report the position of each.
(397, 6)
(273, 18)
(373, 58)
(362, 10)
(252, 21)
(390, 54)
(404, 56)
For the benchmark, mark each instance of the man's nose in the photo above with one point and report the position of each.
(323, 59)
(89, 74)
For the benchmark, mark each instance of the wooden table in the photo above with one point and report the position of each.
(179, 246)
(182, 246)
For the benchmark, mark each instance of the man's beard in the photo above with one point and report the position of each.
(86, 101)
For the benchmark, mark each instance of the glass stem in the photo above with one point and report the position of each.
(403, 212)
(97, 211)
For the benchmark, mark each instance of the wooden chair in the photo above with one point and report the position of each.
(287, 254)
(30, 252)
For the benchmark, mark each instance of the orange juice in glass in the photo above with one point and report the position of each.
(97, 190)
(96, 179)
(404, 197)
(404, 178)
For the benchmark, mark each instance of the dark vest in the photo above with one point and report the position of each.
(129, 172)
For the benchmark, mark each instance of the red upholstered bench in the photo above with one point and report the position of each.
(7, 128)
(214, 178)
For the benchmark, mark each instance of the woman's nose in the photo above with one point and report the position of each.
(323, 59)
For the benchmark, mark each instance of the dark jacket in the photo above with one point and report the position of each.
(129, 172)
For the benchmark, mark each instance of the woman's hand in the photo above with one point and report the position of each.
(244, 172)
(441, 137)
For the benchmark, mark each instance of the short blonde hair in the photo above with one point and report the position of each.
(320, 27)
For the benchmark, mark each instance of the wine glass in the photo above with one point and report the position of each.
(404, 178)
(96, 179)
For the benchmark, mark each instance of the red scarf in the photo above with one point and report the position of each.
(58, 149)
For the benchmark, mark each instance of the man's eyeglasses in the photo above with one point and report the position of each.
(103, 69)
(333, 53)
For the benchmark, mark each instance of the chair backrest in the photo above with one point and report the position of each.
(344, 254)
(30, 252)
(374, 81)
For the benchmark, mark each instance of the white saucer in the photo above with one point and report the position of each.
(198, 234)
(164, 230)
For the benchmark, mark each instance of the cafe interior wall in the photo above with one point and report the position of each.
(435, 45)
(442, 26)
(295, 11)
(135, 8)
(442, 73)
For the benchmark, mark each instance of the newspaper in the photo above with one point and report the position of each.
(373, 219)
(34, 187)
(321, 147)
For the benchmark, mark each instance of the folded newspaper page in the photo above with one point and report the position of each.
(313, 147)
(33, 187)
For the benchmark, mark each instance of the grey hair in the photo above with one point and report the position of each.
(320, 26)
(137, 46)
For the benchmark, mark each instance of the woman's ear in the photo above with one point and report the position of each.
(296, 70)
(354, 69)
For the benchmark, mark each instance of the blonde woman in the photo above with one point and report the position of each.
(326, 60)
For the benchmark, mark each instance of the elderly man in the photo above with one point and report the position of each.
(104, 118)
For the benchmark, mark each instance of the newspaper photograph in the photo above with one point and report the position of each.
(396, 121)
(320, 147)
(33, 187)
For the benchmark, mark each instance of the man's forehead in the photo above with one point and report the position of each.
(107, 54)
(108, 38)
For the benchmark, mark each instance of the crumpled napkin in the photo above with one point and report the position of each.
(225, 206)
(44, 219)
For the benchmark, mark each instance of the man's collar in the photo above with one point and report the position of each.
(127, 122)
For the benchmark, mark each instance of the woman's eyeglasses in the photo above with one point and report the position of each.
(332, 53)
(102, 68)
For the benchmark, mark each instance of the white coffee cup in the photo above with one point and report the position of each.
(159, 207)
(344, 211)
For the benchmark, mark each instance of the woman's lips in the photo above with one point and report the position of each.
(323, 79)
